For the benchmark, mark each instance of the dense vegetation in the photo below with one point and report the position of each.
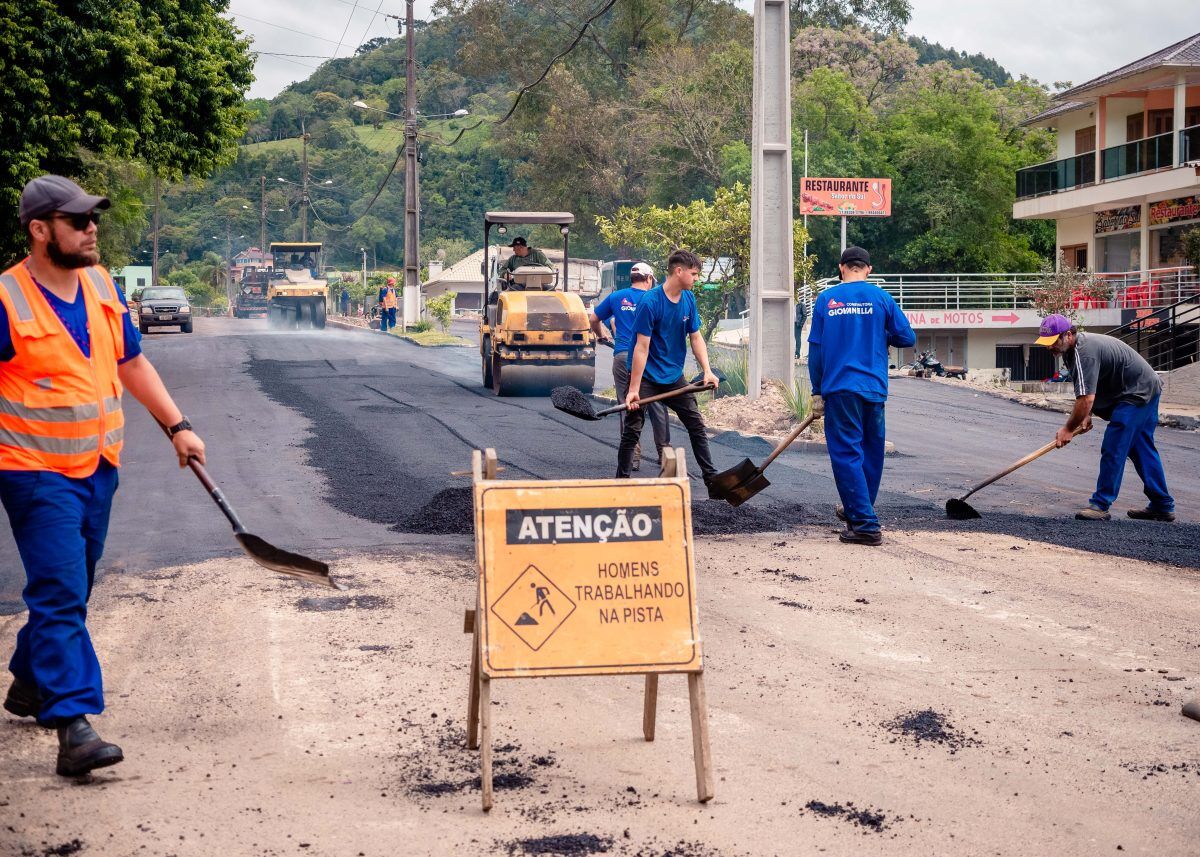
(651, 109)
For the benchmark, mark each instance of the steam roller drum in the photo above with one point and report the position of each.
(519, 379)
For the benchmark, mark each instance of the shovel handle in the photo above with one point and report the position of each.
(1017, 465)
(212, 488)
(788, 441)
(690, 388)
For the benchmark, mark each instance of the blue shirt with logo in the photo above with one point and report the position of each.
(668, 324)
(853, 325)
(621, 306)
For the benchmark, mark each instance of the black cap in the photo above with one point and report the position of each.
(519, 242)
(47, 194)
(855, 254)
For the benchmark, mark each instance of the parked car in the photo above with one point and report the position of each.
(162, 306)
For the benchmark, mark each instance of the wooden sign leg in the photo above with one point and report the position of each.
(650, 707)
(473, 696)
(485, 754)
(699, 706)
(667, 465)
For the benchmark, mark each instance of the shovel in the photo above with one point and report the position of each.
(258, 549)
(959, 509)
(742, 481)
(571, 401)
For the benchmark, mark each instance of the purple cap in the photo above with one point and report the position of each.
(1053, 326)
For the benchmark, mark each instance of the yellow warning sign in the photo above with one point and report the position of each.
(585, 578)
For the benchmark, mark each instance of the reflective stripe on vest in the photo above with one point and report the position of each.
(101, 284)
(10, 284)
(53, 445)
(64, 414)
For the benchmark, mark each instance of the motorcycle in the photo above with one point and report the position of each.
(926, 365)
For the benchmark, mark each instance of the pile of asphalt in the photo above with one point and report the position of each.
(572, 401)
(562, 843)
(929, 726)
(872, 821)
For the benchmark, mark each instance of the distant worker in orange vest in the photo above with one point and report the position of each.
(388, 301)
(67, 349)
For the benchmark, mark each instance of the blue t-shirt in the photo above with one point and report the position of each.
(74, 318)
(621, 306)
(853, 325)
(668, 325)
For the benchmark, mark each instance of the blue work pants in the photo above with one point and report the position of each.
(387, 318)
(855, 434)
(59, 525)
(1130, 434)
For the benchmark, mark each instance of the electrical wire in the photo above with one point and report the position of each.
(513, 109)
(346, 28)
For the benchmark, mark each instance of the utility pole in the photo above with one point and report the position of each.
(412, 193)
(157, 225)
(364, 254)
(262, 216)
(304, 184)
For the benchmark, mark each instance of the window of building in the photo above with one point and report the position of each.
(141, 282)
(1119, 253)
(1076, 256)
(1085, 140)
(1160, 122)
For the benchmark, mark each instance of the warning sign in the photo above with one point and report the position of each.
(533, 607)
(583, 578)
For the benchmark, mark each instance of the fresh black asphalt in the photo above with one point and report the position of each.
(344, 441)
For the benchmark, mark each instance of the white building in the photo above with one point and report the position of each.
(465, 278)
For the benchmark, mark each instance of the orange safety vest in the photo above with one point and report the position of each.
(61, 411)
(389, 298)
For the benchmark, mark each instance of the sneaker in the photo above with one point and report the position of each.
(1150, 514)
(1091, 513)
(81, 750)
(23, 699)
(856, 537)
(840, 511)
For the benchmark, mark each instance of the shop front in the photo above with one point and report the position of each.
(1170, 220)
(1119, 239)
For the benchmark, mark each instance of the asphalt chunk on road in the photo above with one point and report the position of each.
(929, 727)
(562, 843)
(872, 821)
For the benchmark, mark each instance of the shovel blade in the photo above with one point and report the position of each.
(728, 480)
(960, 510)
(739, 495)
(286, 562)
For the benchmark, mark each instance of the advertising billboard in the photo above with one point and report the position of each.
(846, 197)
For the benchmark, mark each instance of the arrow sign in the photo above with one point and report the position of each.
(1011, 318)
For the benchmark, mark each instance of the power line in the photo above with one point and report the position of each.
(346, 28)
(280, 26)
(370, 23)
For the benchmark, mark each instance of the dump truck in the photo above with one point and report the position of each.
(251, 299)
(533, 334)
(296, 294)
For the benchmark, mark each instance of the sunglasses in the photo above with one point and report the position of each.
(79, 222)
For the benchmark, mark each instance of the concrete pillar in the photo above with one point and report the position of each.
(1101, 136)
(1144, 236)
(772, 286)
(1180, 117)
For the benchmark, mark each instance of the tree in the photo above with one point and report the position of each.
(1065, 290)
(161, 81)
(876, 66)
(882, 16)
(440, 308)
(717, 231)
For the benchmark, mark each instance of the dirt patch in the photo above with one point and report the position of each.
(796, 605)
(870, 820)
(563, 843)
(64, 850)
(1188, 770)
(766, 415)
(929, 726)
(452, 768)
(341, 602)
(786, 575)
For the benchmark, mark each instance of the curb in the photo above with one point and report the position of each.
(342, 325)
(805, 447)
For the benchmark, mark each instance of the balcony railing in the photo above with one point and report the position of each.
(1189, 144)
(1140, 156)
(1132, 290)
(1057, 176)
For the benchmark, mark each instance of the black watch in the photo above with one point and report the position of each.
(183, 425)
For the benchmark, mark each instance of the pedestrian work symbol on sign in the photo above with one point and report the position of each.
(533, 607)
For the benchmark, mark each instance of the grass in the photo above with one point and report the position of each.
(736, 367)
(798, 399)
(434, 337)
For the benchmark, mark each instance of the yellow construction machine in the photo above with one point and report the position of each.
(296, 296)
(534, 334)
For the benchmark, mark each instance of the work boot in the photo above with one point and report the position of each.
(840, 511)
(1091, 513)
(1150, 514)
(81, 750)
(23, 699)
(857, 537)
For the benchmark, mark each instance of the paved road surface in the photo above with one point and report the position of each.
(385, 422)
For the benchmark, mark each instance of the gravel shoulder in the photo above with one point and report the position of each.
(260, 716)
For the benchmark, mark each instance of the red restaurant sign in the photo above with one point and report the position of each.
(1174, 210)
(846, 197)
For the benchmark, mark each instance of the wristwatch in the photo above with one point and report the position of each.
(183, 425)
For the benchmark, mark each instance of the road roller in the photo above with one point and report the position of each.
(533, 334)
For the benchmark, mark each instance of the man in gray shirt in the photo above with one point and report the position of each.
(1115, 383)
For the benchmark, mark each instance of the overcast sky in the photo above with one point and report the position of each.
(1051, 40)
